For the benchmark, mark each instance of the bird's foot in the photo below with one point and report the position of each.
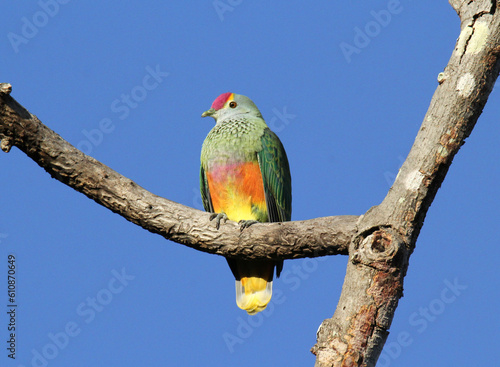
(246, 223)
(218, 217)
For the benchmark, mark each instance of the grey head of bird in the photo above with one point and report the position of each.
(231, 105)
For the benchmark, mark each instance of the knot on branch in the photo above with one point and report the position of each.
(6, 144)
(381, 249)
(5, 88)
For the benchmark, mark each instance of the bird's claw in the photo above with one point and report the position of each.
(246, 223)
(218, 217)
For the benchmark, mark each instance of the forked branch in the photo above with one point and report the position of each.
(379, 243)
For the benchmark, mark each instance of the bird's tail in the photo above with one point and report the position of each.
(254, 283)
(253, 294)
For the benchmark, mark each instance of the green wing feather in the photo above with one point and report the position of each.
(205, 193)
(277, 181)
(276, 176)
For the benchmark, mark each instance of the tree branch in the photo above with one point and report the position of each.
(387, 233)
(176, 222)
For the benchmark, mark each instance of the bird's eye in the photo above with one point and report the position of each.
(233, 104)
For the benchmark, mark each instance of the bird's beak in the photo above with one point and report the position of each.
(211, 112)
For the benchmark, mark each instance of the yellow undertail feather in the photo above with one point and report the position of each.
(253, 294)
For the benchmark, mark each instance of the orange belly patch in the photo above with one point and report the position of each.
(237, 190)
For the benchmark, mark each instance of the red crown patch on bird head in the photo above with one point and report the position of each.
(221, 100)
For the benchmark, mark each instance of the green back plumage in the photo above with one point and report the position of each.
(275, 171)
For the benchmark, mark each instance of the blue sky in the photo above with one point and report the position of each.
(96, 290)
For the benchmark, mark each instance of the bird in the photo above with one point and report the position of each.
(245, 177)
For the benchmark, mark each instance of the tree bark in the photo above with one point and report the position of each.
(379, 243)
(387, 233)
